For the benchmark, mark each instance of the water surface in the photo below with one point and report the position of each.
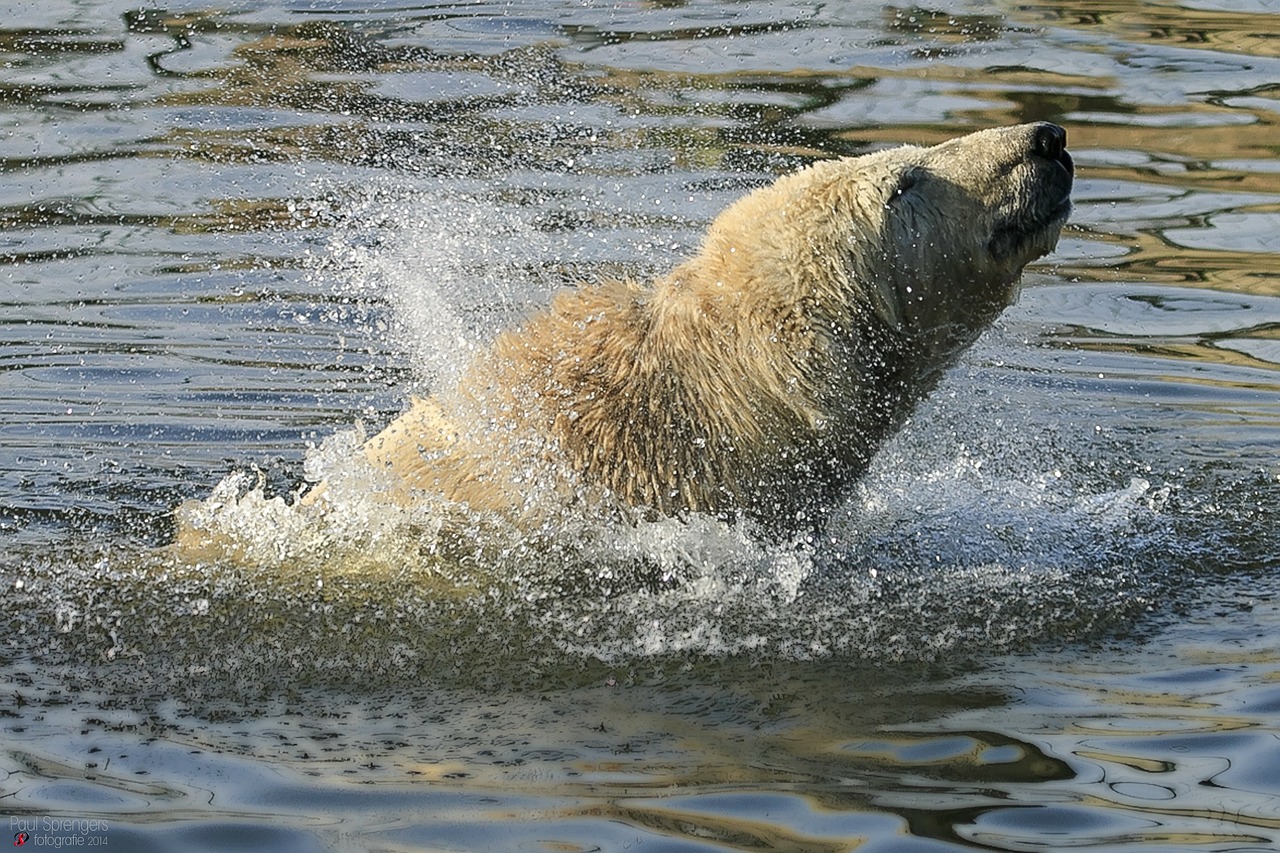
(232, 236)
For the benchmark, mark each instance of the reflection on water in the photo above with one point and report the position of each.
(1045, 619)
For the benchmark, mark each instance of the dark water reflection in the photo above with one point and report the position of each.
(1046, 619)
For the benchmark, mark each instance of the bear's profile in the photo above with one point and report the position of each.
(757, 378)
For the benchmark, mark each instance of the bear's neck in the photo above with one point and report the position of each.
(734, 330)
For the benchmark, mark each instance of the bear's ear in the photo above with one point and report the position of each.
(908, 178)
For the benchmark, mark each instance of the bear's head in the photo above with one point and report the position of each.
(928, 241)
(953, 226)
(840, 293)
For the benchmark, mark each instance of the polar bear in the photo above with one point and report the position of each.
(756, 379)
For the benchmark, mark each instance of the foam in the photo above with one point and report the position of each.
(920, 565)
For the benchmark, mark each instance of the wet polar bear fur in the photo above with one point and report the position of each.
(757, 378)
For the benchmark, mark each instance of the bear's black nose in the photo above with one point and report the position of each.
(1050, 142)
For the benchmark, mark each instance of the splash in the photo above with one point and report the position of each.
(452, 268)
(982, 527)
(920, 566)
(924, 563)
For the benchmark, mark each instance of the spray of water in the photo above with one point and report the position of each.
(981, 527)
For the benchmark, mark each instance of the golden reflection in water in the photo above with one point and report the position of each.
(737, 834)
(317, 67)
(1247, 33)
(1152, 258)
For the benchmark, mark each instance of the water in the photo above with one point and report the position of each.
(230, 234)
